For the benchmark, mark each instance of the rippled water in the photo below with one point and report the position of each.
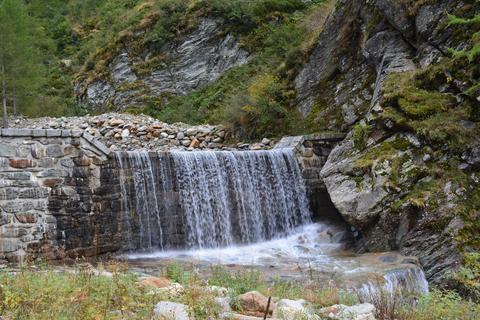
(314, 251)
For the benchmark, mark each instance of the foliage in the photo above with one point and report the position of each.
(48, 294)
(359, 135)
(178, 273)
(443, 305)
(239, 282)
(20, 54)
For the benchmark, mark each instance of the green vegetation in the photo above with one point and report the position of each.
(429, 113)
(442, 305)
(240, 282)
(359, 135)
(255, 99)
(22, 46)
(81, 38)
(48, 294)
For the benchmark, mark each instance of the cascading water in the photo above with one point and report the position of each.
(147, 188)
(223, 198)
(239, 197)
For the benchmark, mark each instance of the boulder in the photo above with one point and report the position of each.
(195, 143)
(174, 290)
(364, 311)
(218, 291)
(294, 309)
(170, 310)
(224, 304)
(116, 122)
(157, 282)
(254, 303)
(125, 133)
(237, 316)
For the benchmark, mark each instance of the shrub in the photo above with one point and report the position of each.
(443, 305)
(360, 134)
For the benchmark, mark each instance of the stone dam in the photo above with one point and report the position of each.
(63, 194)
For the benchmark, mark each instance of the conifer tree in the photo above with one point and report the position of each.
(20, 56)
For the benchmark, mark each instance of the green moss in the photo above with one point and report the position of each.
(403, 93)
(384, 151)
(432, 115)
(401, 144)
(359, 135)
(454, 20)
(359, 182)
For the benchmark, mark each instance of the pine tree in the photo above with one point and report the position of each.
(20, 56)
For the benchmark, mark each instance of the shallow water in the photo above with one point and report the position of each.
(314, 252)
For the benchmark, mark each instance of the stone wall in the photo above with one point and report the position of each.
(57, 193)
(312, 152)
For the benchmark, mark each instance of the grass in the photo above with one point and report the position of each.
(239, 282)
(43, 293)
(46, 294)
(359, 135)
(442, 305)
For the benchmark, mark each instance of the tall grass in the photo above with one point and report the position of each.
(84, 294)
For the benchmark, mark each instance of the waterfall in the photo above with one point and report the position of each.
(242, 208)
(209, 199)
(402, 283)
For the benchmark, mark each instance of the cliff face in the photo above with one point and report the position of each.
(193, 60)
(407, 175)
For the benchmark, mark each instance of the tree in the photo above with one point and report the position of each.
(20, 55)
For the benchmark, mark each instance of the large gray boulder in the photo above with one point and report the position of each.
(166, 310)
(364, 311)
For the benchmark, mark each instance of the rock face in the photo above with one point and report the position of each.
(201, 58)
(196, 59)
(373, 176)
(362, 42)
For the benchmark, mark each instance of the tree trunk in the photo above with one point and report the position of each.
(4, 94)
(15, 100)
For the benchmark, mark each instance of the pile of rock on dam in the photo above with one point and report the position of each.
(62, 187)
(124, 132)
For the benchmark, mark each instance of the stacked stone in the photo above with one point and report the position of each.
(124, 132)
(312, 152)
(45, 177)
